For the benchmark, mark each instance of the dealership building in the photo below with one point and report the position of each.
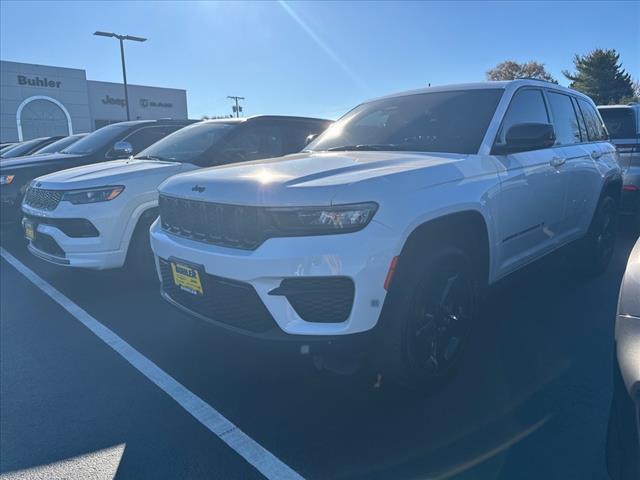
(39, 100)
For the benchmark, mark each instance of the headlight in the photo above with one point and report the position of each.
(321, 220)
(92, 195)
(6, 179)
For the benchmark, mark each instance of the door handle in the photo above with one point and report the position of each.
(557, 161)
(596, 155)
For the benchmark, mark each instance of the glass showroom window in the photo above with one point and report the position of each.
(41, 117)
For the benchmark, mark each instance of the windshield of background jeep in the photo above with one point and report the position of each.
(188, 144)
(446, 122)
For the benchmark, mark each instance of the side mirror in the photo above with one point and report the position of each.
(310, 138)
(122, 148)
(524, 137)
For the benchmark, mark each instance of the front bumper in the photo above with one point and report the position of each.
(98, 252)
(364, 257)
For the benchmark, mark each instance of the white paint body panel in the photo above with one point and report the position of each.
(115, 220)
(628, 323)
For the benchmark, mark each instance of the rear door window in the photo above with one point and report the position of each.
(581, 124)
(296, 133)
(254, 142)
(595, 129)
(565, 121)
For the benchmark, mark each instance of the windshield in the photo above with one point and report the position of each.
(59, 145)
(22, 148)
(98, 139)
(620, 122)
(447, 122)
(187, 144)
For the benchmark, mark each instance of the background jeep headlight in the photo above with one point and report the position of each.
(92, 195)
(6, 179)
(321, 220)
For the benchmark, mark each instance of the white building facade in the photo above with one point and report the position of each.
(39, 100)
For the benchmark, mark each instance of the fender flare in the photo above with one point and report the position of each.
(136, 215)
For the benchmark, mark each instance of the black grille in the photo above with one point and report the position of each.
(227, 301)
(47, 244)
(319, 299)
(71, 227)
(235, 226)
(43, 199)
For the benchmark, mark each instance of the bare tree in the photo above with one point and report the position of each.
(512, 70)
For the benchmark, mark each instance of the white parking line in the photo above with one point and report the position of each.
(261, 459)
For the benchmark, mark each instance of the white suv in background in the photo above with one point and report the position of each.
(98, 216)
(393, 221)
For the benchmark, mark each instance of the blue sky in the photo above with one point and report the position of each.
(312, 58)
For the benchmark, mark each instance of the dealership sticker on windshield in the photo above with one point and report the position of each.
(186, 278)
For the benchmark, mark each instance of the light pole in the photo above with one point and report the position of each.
(122, 38)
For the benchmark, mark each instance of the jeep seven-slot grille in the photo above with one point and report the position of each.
(43, 199)
(234, 226)
(228, 301)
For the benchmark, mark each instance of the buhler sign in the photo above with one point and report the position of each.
(38, 82)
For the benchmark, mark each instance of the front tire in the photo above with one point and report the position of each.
(139, 255)
(434, 305)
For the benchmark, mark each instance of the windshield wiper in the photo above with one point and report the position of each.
(370, 147)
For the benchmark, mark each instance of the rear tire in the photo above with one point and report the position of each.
(139, 256)
(593, 253)
(433, 307)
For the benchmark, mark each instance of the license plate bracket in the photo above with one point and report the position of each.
(29, 230)
(187, 276)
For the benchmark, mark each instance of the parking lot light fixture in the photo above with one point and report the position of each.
(121, 39)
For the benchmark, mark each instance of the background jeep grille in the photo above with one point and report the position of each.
(43, 199)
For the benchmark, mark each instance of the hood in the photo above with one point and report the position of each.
(18, 163)
(106, 173)
(308, 178)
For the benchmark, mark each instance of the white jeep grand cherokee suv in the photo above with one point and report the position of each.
(98, 216)
(393, 220)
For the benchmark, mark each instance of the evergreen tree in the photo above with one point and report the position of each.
(599, 74)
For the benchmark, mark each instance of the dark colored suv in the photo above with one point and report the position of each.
(107, 143)
(28, 147)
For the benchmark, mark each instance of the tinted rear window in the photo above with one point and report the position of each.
(620, 122)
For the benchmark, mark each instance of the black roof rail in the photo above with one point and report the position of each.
(537, 80)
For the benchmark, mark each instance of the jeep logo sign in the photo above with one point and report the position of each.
(107, 100)
(37, 82)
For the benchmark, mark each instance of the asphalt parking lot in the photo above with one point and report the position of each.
(530, 401)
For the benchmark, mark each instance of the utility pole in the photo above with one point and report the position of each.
(237, 109)
(122, 38)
